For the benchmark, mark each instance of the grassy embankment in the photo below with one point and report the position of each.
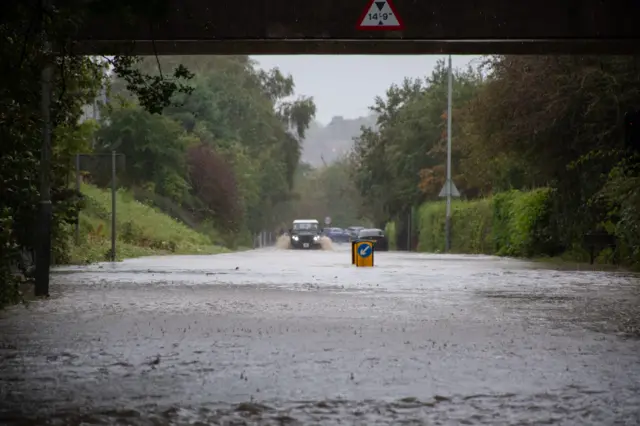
(141, 230)
(514, 224)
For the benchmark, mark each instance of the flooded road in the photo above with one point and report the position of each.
(288, 337)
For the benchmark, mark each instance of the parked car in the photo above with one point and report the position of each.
(305, 234)
(375, 235)
(337, 235)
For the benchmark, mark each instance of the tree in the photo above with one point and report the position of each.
(403, 163)
(325, 191)
(214, 183)
(75, 82)
(519, 123)
(554, 121)
(243, 115)
(154, 147)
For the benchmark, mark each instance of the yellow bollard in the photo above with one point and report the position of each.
(353, 251)
(364, 253)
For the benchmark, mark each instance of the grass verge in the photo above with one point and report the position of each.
(141, 230)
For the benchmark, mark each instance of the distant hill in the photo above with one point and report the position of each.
(333, 140)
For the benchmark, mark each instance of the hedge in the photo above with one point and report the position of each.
(511, 223)
(390, 232)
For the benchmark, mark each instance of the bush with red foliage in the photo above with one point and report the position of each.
(214, 183)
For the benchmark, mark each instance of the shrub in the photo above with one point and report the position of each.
(521, 223)
(390, 232)
(511, 223)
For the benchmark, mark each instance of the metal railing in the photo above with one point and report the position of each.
(264, 239)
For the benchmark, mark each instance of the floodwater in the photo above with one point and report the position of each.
(283, 242)
(283, 337)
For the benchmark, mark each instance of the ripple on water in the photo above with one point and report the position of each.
(575, 406)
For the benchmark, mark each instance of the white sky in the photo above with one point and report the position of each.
(347, 84)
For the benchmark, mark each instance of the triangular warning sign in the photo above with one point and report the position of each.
(449, 188)
(380, 15)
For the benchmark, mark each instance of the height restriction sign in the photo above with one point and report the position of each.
(380, 15)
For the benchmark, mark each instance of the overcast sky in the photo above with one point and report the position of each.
(346, 84)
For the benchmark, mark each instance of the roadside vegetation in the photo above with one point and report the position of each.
(224, 156)
(538, 155)
(207, 149)
(142, 230)
(209, 154)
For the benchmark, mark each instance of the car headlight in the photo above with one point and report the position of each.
(295, 237)
(316, 238)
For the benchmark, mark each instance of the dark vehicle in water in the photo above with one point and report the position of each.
(376, 236)
(305, 234)
(337, 235)
(353, 231)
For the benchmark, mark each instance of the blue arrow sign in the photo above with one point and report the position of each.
(365, 250)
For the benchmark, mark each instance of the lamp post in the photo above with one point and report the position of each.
(449, 182)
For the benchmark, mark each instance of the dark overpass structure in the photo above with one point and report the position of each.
(331, 27)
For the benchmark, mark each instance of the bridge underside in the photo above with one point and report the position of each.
(330, 27)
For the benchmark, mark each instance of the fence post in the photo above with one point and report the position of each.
(113, 206)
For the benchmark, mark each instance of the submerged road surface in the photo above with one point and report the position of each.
(288, 337)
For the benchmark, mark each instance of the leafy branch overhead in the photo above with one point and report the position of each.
(154, 92)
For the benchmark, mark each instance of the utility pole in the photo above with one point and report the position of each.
(43, 248)
(449, 182)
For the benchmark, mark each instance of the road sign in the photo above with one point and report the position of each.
(365, 250)
(449, 188)
(364, 253)
(327, 220)
(380, 15)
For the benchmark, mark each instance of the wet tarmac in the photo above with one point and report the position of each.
(281, 337)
